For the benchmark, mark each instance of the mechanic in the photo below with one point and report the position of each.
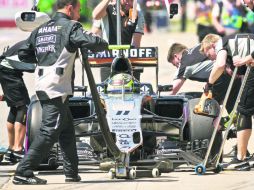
(132, 32)
(54, 45)
(219, 49)
(193, 65)
(17, 98)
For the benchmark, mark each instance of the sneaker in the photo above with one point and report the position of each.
(20, 180)
(9, 157)
(250, 159)
(18, 155)
(233, 153)
(238, 165)
(73, 179)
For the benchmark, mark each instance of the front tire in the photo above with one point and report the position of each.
(34, 118)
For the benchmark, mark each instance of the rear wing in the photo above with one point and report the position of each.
(143, 57)
(139, 57)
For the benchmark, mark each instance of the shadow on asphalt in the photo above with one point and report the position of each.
(157, 180)
(7, 164)
(7, 171)
(206, 174)
(60, 172)
(6, 175)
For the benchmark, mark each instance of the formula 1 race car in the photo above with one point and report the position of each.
(152, 132)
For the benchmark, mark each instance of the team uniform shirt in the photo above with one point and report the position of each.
(228, 43)
(194, 65)
(11, 73)
(108, 26)
(55, 45)
(10, 59)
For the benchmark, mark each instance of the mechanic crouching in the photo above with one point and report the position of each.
(17, 98)
(54, 46)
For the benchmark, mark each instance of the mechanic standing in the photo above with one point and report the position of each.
(17, 98)
(132, 32)
(55, 45)
(220, 50)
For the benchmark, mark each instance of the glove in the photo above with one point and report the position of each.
(232, 133)
(207, 105)
(208, 87)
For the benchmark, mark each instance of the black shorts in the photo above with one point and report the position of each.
(246, 104)
(14, 88)
(220, 89)
(17, 114)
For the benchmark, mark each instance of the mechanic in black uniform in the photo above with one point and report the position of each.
(55, 45)
(105, 13)
(193, 65)
(17, 98)
(220, 50)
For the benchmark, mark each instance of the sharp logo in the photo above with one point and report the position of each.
(122, 112)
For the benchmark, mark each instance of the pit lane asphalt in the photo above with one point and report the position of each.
(92, 178)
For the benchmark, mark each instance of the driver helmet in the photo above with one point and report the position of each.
(121, 64)
(119, 83)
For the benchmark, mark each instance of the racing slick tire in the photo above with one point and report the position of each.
(49, 162)
(201, 128)
(33, 121)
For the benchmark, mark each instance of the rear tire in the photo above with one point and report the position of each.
(201, 127)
